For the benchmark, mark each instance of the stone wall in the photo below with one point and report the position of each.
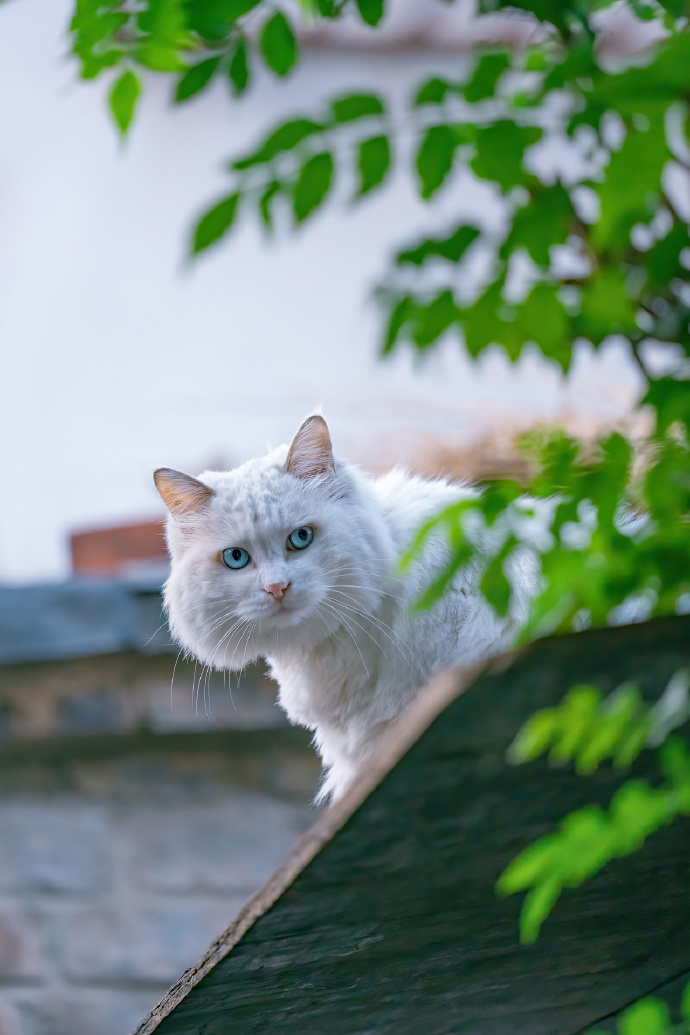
(133, 826)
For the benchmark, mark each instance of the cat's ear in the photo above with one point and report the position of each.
(311, 453)
(183, 495)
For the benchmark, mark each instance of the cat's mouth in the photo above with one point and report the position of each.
(288, 613)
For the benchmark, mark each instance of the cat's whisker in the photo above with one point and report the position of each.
(230, 613)
(410, 659)
(364, 630)
(331, 631)
(226, 637)
(427, 614)
(172, 679)
(345, 625)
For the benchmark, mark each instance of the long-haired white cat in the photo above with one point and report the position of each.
(293, 557)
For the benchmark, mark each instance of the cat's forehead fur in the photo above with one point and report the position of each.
(261, 493)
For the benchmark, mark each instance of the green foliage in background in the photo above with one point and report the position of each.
(194, 41)
(589, 731)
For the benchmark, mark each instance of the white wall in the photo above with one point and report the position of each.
(117, 358)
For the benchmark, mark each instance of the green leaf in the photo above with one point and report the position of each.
(577, 716)
(500, 150)
(356, 106)
(94, 29)
(662, 261)
(543, 222)
(542, 319)
(533, 864)
(451, 248)
(606, 306)
(374, 159)
(285, 138)
(215, 223)
(536, 907)
(196, 79)
(625, 199)
(239, 69)
(434, 318)
(215, 20)
(435, 158)
(535, 737)
(433, 91)
(495, 586)
(671, 400)
(488, 70)
(278, 44)
(312, 185)
(267, 197)
(646, 1017)
(160, 57)
(371, 11)
(123, 100)
(400, 315)
(685, 1003)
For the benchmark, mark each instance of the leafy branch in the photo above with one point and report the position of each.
(196, 41)
(587, 730)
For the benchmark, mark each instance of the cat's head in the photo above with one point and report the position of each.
(274, 555)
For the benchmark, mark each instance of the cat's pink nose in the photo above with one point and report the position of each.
(278, 589)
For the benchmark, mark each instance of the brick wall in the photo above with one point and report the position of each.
(130, 833)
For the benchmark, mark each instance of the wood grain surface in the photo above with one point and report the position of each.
(384, 918)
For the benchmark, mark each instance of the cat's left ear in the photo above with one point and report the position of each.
(311, 452)
(183, 495)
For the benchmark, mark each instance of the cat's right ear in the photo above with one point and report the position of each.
(311, 453)
(183, 495)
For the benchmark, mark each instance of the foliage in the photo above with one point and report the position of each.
(587, 730)
(196, 41)
(650, 1016)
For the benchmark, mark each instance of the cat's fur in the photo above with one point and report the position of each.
(346, 650)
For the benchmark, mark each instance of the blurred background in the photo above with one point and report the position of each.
(139, 805)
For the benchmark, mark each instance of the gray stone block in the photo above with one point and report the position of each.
(156, 944)
(58, 847)
(221, 847)
(95, 712)
(86, 1012)
(19, 951)
(9, 1020)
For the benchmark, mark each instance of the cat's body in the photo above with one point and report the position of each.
(333, 620)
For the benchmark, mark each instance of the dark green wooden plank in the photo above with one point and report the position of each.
(394, 926)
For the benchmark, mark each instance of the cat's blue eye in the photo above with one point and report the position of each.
(235, 557)
(300, 538)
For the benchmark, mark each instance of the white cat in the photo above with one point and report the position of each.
(293, 557)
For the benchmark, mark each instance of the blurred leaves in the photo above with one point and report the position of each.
(215, 223)
(161, 36)
(435, 158)
(312, 184)
(123, 99)
(196, 79)
(588, 839)
(650, 1016)
(278, 44)
(374, 162)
